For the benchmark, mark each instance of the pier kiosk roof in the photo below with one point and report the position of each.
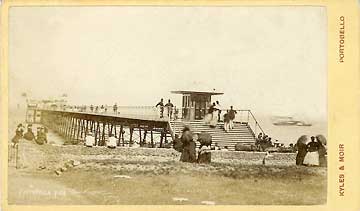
(197, 92)
(195, 103)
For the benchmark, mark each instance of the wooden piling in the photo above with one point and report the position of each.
(152, 139)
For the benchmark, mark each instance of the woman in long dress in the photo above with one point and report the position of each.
(215, 114)
(210, 115)
(312, 156)
(188, 153)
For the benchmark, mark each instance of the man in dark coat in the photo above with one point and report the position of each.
(188, 153)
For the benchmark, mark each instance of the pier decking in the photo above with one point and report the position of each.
(146, 128)
(127, 128)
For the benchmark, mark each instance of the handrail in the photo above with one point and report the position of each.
(257, 122)
(243, 116)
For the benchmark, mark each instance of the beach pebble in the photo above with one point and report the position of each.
(41, 167)
(68, 165)
(62, 169)
(76, 163)
(57, 172)
(180, 199)
(122, 176)
(208, 202)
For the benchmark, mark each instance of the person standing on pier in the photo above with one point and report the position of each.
(161, 104)
(218, 108)
(227, 122)
(106, 108)
(169, 107)
(115, 108)
(232, 114)
(91, 108)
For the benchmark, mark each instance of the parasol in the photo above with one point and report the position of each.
(321, 139)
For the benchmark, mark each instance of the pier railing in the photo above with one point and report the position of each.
(243, 116)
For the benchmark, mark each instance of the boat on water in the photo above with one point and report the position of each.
(289, 121)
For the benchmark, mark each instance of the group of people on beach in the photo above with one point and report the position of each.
(263, 142)
(311, 153)
(187, 146)
(90, 141)
(40, 137)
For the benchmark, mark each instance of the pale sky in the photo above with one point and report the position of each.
(272, 60)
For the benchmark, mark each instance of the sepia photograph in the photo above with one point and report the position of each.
(167, 105)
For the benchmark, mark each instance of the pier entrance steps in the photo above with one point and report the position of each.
(242, 133)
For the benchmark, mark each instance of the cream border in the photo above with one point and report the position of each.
(343, 98)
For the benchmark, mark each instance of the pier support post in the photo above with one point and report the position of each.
(140, 141)
(97, 134)
(161, 139)
(144, 139)
(131, 135)
(103, 134)
(152, 138)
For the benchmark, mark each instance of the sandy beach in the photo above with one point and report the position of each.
(124, 175)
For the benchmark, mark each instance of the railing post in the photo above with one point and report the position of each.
(248, 117)
(256, 124)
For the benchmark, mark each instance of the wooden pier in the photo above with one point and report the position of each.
(74, 126)
(143, 125)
